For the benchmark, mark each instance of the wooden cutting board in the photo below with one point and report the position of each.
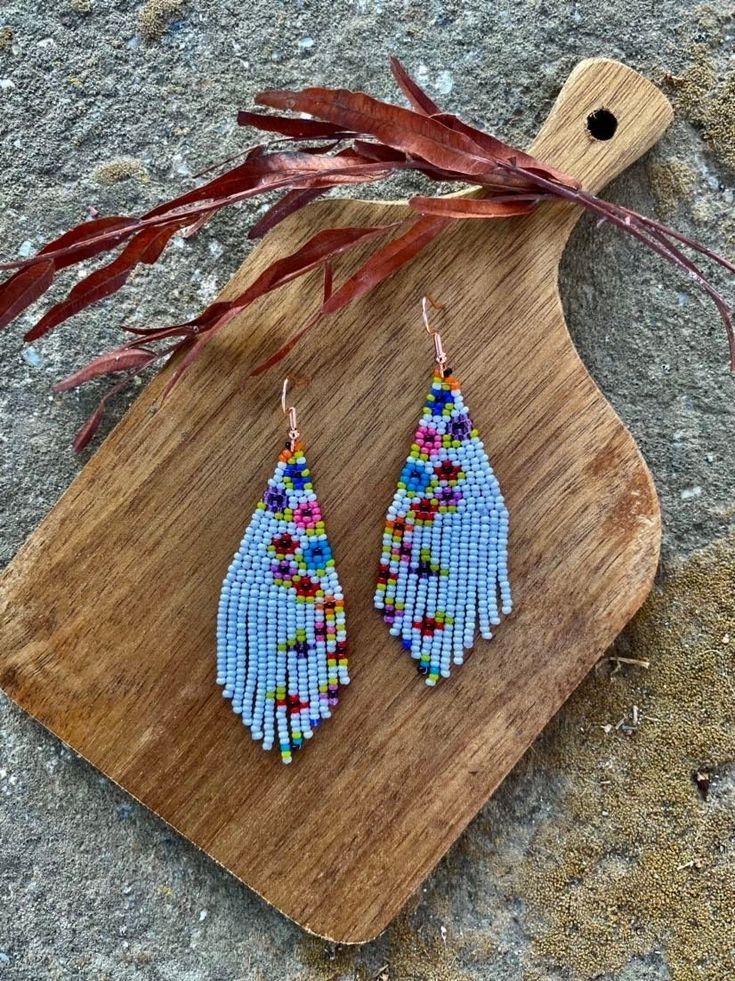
(108, 610)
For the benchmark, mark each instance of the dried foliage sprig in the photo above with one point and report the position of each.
(341, 138)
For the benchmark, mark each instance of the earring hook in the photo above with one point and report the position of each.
(290, 411)
(439, 353)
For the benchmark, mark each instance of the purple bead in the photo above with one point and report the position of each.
(275, 499)
(460, 426)
(448, 496)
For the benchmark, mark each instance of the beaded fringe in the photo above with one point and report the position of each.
(281, 637)
(444, 565)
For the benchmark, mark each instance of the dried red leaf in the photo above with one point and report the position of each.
(188, 351)
(199, 224)
(272, 172)
(376, 151)
(90, 239)
(24, 288)
(502, 151)
(386, 260)
(90, 427)
(84, 241)
(218, 164)
(381, 264)
(421, 135)
(152, 334)
(296, 199)
(307, 170)
(92, 424)
(302, 129)
(86, 236)
(322, 247)
(146, 247)
(416, 134)
(456, 207)
(242, 177)
(328, 281)
(290, 202)
(413, 92)
(122, 359)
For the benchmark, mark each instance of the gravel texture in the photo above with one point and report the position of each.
(116, 105)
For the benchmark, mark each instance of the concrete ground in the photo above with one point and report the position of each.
(601, 856)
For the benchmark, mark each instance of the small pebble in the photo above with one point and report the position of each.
(444, 82)
(689, 493)
(32, 357)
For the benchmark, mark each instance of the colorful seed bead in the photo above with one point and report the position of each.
(444, 564)
(281, 630)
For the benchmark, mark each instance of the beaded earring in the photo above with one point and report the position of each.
(444, 563)
(281, 637)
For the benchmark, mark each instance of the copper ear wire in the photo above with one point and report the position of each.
(290, 411)
(440, 355)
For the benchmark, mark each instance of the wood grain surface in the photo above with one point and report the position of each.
(108, 610)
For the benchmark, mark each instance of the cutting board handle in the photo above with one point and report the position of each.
(605, 117)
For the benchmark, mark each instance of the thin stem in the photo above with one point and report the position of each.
(655, 236)
(690, 242)
(210, 204)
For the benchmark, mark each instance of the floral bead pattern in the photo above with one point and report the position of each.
(444, 565)
(281, 633)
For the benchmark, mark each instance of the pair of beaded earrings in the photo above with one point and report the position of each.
(281, 632)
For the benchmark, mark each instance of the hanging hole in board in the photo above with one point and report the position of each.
(602, 124)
